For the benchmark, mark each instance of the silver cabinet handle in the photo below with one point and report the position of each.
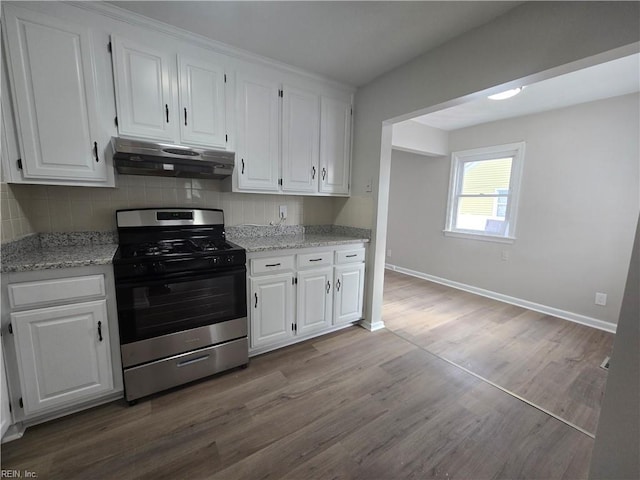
(256, 305)
(313, 175)
(324, 173)
(338, 285)
(184, 363)
(328, 286)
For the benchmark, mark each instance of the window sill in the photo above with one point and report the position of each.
(479, 236)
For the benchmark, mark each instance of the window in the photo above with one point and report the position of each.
(483, 192)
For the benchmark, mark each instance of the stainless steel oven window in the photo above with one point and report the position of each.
(159, 306)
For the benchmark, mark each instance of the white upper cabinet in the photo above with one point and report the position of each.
(168, 96)
(258, 133)
(202, 100)
(335, 146)
(300, 140)
(291, 140)
(144, 81)
(54, 85)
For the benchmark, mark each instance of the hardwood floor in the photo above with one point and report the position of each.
(550, 362)
(353, 404)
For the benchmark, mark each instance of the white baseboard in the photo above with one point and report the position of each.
(536, 307)
(372, 327)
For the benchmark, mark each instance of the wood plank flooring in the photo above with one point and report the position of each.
(551, 362)
(350, 405)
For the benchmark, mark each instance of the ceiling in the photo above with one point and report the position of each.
(610, 79)
(352, 42)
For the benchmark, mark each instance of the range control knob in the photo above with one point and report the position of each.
(215, 261)
(159, 267)
(138, 268)
(229, 259)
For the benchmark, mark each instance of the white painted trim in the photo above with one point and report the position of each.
(254, 352)
(478, 236)
(372, 327)
(536, 307)
(417, 152)
(458, 159)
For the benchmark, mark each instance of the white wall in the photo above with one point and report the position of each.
(615, 452)
(416, 137)
(578, 209)
(533, 41)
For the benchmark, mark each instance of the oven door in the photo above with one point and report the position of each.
(164, 305)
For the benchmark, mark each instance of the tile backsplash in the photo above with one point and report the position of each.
(15, 223)
(39, 208)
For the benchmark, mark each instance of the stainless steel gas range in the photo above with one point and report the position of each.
(181, 295)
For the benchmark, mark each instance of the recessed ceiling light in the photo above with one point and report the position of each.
(504, 95)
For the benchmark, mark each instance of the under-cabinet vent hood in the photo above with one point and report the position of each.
(139, 157)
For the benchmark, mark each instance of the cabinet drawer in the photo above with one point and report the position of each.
(350, 256)
(31, 294)
(321, 259)
(271, 264)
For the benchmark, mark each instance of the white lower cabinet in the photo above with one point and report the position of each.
(63, 354)
(60, 342)
(271, 309)
(349, 291)
(299, 294)
(5, 411)
(314, 300)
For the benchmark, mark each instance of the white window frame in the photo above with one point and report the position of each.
(458, 160)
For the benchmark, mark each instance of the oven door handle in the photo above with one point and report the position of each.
(192, 361)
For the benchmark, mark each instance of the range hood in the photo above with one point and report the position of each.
(140, 157)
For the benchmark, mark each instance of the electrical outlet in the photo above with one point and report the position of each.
(505, 255)
(389, 252)
(601, 298)
(369, 186)
(283, 212)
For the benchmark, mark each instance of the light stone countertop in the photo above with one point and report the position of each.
(54, 257)
(305, 240)
(46, 251)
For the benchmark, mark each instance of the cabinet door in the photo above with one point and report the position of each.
(335, 145)
(271, 309)
(63, 354)
(202, 102)
(258, 152)
(300, 140)
(349, 293)
(8, 141)
(145, 91)
(314, 300)
(55, 91)
(5, 413)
